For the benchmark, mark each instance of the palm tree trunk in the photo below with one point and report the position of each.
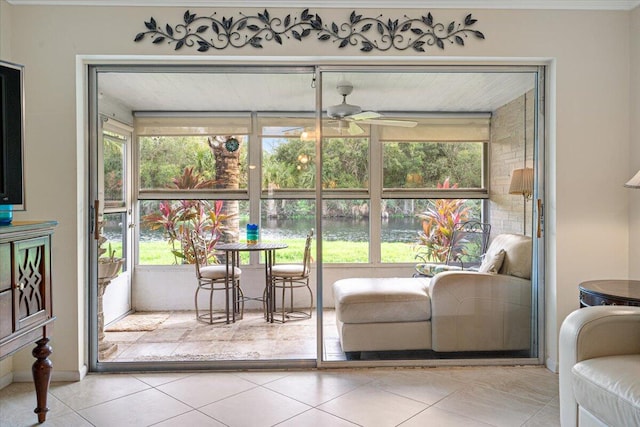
(227, 176)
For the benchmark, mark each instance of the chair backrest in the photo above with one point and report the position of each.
(200, 249)
(307, 253)
(469, 243)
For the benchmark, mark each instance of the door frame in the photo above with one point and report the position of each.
(90, 65)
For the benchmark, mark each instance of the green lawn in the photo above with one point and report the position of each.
(159, 253)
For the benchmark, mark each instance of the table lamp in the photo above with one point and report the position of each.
(634, 182)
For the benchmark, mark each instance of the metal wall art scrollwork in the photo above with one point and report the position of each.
(369, 34)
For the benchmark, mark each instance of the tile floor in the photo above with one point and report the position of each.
(443, 396)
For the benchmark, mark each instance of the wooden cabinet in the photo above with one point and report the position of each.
(26, 312)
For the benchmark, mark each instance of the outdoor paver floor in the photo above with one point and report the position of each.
(180, 337)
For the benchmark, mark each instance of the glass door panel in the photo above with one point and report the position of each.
(239, 150)
(114, 230)
(419, 152)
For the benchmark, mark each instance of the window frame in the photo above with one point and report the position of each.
(375, 193)
(378, 193)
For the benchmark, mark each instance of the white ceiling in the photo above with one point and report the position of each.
(233, 91)
(420, 4)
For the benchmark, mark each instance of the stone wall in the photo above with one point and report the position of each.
(506, 153)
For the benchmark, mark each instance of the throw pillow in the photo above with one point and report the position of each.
(492, 262)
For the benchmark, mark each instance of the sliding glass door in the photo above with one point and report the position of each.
(411, 156)
(381, 165)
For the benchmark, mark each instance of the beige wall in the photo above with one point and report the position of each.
(587, 148)
(5, 32)
(634, 163)
(6, 365)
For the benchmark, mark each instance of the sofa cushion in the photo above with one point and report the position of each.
(517, 258)
(371, 300)
(492, 263)
(609, 388)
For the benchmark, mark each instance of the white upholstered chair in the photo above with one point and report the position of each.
(600, 367)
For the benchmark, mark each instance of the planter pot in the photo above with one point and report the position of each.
(108, 269)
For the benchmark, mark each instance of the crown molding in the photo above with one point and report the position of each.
(364, 4)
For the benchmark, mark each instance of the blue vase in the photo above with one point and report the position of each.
(252, 234)
(6, 214)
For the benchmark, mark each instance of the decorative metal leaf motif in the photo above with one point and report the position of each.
(212, 32)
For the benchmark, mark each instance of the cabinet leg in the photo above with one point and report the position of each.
(41, 371)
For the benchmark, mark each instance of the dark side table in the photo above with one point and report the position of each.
(610, 292)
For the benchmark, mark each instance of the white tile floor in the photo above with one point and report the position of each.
(466, 396)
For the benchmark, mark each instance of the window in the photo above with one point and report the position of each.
(404, 230)
(115, 141)
(113, 153)
(287, 207)
(427, 165)
(345, 163)
(346, 231)
(288, 154)
(190, 162)
(187, 167)
(442, 157)
(193, 175)
(166, 224)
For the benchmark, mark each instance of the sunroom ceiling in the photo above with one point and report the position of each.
(233, 91)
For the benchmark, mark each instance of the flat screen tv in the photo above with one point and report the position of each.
(11, 134)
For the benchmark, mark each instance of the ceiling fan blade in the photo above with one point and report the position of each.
(386, 122)
(354, 129)
(335, 126)
(365, 115)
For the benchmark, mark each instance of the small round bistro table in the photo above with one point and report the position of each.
(232, 255)
(610, 292)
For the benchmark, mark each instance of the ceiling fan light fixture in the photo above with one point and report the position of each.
(343, 110)
(344, 88)
(308, 135)
(354, 113)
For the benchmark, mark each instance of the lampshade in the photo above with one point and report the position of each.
(522, 182)
(634, 182)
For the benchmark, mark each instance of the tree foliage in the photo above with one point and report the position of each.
(164, 158)
(290, 163)
(424, 165)
(113, 161)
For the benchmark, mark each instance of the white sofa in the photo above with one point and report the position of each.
(600, 367)
(451, 312)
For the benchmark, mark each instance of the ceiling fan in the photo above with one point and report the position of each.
(348, 116)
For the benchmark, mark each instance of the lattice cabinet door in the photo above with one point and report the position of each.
(31, 274)
(6, 291)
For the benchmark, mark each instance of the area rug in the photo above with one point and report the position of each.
(138, 322)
